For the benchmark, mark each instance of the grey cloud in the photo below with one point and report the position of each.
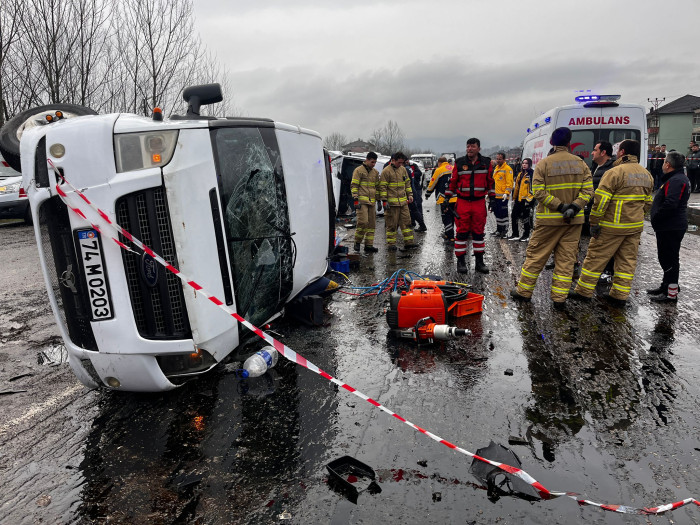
(443, 99)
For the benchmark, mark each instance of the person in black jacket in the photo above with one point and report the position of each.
(669, 219)
(602, 161)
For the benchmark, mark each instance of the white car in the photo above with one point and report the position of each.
(343, 166)
(14, 203)
(242, 206)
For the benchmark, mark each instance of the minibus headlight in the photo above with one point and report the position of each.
(139, 151)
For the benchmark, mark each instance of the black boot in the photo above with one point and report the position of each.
(657, 291)
(462, 264)
(480, 266)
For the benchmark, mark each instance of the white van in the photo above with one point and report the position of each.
(593, 119)
(242, 206)
(428, 160)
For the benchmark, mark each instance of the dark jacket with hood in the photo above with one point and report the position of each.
(669, 210)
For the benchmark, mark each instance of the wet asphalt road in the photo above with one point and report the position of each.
(605, 400)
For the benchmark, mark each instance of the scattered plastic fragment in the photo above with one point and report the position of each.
(508, 372)
(498, 481)
(517, 440)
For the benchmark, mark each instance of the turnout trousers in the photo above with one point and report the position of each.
(624, 248)
(366, 223)
(397, 217)
(563, 241)
(470, 219)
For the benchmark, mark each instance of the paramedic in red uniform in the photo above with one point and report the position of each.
(471, 182)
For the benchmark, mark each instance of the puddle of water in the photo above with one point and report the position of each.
(53, 355)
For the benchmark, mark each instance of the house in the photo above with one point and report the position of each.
(358, 146)
(675, 124)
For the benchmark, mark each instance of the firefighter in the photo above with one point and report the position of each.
(439, 182)
(365, 180)
(396, 194)
(523, 202)
(562, 185)
(471, 182)
(622, 198)
(503, 186)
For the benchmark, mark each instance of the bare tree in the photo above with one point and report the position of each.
(389, 139)
(158, 51)
(10, 11)
(335, 141)
(209, 70)
(131, 56)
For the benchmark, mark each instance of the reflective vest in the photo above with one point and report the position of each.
(503, 180)
(523, 187)
(439, 182)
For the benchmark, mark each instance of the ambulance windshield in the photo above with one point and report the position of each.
(583, 141)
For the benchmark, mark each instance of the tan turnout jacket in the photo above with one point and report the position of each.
(561, 178)
(364, 184)
(623, 197)
(395, 185)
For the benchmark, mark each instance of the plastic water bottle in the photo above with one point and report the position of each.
(260, 362)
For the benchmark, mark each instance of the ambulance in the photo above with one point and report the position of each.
(592, 119)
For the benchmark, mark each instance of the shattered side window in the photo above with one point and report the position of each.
(256, 219)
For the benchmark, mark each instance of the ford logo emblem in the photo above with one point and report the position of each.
(149, 270)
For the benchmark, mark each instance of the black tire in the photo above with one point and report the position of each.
(9, 141)
(28, 216)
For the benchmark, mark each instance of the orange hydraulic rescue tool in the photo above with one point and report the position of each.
(420, 312)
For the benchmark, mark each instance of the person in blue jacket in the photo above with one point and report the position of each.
(670, 221)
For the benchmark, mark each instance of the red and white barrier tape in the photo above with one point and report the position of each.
(298, 359)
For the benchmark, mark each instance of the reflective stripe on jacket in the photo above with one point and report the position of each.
(623, 197)
(471, 181)
(440, 180)
(561, 178)
(364, 184)
(395, 185)
(502, 180)
(522, 191)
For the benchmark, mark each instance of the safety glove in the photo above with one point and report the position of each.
(595, 230)
(571, 211)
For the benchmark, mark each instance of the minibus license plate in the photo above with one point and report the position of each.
(95, 274)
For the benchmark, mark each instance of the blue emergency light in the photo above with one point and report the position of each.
(594, 98)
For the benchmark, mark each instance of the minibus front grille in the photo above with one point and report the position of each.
(157, 299)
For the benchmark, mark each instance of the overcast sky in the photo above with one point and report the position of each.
(446, 70)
